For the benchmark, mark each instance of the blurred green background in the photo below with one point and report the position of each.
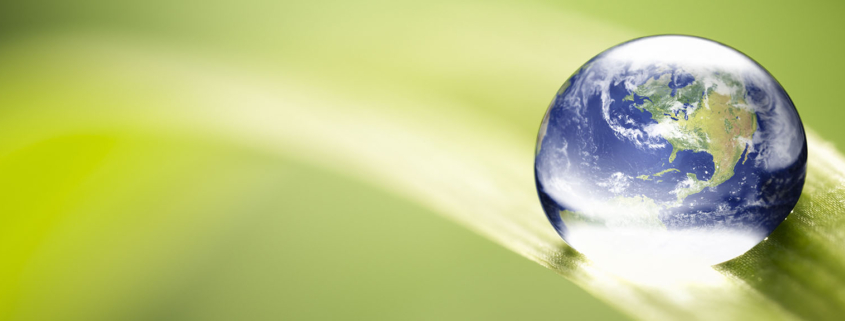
(222, 160)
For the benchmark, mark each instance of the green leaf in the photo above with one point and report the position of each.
(441, 109)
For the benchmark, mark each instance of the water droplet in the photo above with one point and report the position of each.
(611, 133)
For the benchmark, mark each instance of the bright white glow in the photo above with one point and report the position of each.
(689, 52)
(660, 248)
(672, 275)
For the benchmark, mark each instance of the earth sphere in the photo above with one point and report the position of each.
(669, 148)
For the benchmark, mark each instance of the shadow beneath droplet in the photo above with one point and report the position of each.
(566, 260)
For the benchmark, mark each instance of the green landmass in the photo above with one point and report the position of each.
(716, 123)
(709, 115)
(658, 174)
